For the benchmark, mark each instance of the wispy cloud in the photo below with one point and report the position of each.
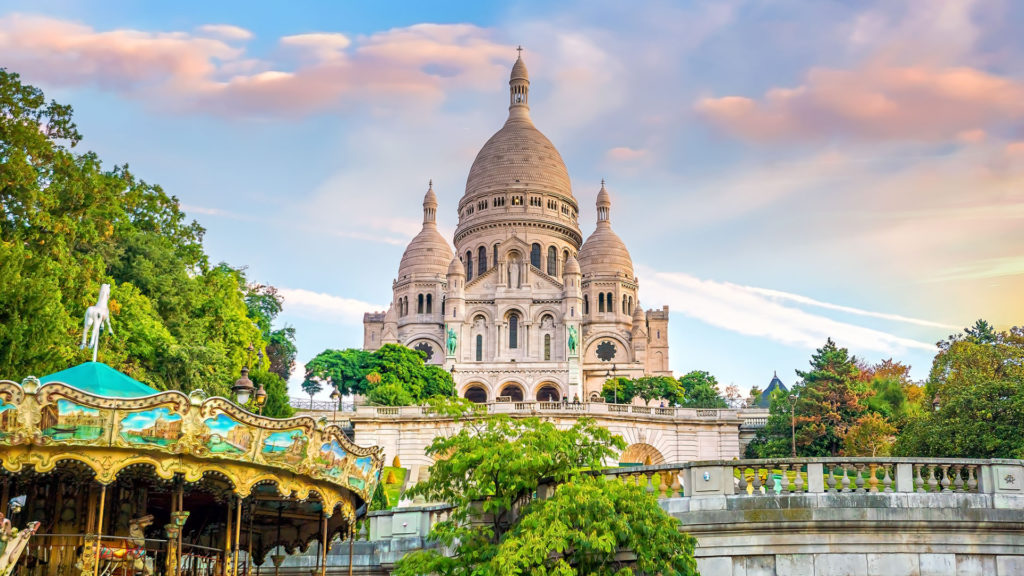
(210, 70)
(798, 299)
(758, 312)
(326, 307)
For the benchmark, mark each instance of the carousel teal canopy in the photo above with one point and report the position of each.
(102, 380)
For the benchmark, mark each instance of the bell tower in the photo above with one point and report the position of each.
(519, 85)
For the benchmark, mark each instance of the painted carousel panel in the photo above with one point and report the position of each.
(226, 436)
(67, 421)
(285, 447)
(154, 427)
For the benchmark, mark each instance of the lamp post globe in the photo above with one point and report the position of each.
(243, 387)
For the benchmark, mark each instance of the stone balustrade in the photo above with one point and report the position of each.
(595, 409)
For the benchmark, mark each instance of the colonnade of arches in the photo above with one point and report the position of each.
(479, 392)
(424, 304)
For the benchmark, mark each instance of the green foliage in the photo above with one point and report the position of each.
(619, 389)
(978, 379)
(489, 468)
(393, 375)
(67, 225)
(583, 527)
(701, 391)
(277, 405)
(828, 402)
(379, 501)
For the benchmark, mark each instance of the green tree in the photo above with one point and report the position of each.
(619, 389)
(400, 376)
(978, 382)
(871, 435)
(829, 400)
(276, 405)
(491, 468)
(585, 525)
(701, 391)
(68, 225)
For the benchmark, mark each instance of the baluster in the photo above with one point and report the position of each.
(918, 481)
(872, 477)
(798, 481)
(769, 481)
(757, 482)
(886, 478)
(958, 479)
(831, 476)
(846, 477)
(649, 482)
(859, 480)
(743, 480)
(972, 480)
(677, 488)
(933, 484)
(662, 485)
(784, 468)
(945, 478)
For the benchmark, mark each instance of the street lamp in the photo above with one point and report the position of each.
(792, 421)
(261, 398)
(935, 403)
(336, 397)
(243, 386)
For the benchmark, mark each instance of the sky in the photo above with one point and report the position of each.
(782, 172)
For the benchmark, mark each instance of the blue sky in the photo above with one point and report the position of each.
(782, 172)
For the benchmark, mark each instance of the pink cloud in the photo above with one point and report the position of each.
(876, 101)
(626, 154)
(206, 72)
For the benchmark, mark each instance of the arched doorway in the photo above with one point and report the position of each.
(476, 393)
(641, 455)
(548, 393)
(513, 391)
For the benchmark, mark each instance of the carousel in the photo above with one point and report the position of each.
(106, 476)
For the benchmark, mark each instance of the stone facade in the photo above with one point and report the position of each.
(523, 308)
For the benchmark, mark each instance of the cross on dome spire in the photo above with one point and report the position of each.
(519, 85)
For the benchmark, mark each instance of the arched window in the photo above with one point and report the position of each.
(479, 348)
(494, 257)
(552, 261)
(565, 258)
(443, 299)
(586, 304)
(600, 301)
(609, 299)
(476, 394)
(513, 331)
(630, 304)
(481, 266)
(430, 302)
(547, 346)
(469, 265)
(514, 392)
(624, 303)
(419, 304)
(535, 256)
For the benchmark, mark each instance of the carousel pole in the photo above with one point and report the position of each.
(351, 546)
(248, 557)
(181, 506)
(323, 546)
(238, 535)
(99, 528)
(227, 542)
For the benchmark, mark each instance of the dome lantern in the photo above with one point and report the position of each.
(604, 253)
(519, 85)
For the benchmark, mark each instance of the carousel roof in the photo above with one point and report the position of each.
(102, 380)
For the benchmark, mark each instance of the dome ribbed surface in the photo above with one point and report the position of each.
(604, 254)
(427, 254)
(572, 265)
(456, 268)
(519, 71)
(517, 155)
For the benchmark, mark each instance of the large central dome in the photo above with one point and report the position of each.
(518, 182)
(518, 156)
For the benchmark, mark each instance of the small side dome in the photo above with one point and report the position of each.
(456, 268)
(572, 265)
(519, 70)
(604, 253)
(428, 254)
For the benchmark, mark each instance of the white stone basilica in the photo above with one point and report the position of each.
(524, 309)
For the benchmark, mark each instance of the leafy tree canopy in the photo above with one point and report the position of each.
(392, 375)
(701, 391)
(489, 471)
(68, 225)
(977, 378)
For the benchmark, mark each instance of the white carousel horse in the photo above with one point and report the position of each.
(95, 317)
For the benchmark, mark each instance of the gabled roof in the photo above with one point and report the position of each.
(766, 397)
(102, 380)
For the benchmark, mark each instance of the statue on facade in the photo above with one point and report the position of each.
(573, 341)
(453, 340)
(513, 273)
(95, 318)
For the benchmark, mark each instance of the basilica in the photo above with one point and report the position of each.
(524, 309)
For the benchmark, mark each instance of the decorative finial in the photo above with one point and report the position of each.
(602, 182)
(431, 183)
(520, 50)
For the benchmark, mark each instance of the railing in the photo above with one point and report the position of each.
(59, 554)
(313, 405)
(825, 475)
(595, 409)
